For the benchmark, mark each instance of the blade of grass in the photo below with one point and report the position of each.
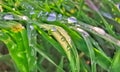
(107, 26)
(19, 60)
(63, 38)
(19, 49)
(101, 58)
(60, 64)
(115, 66)
(76, 38)
(50, 40)
(37, 47)
(99, 32)
(86, 37)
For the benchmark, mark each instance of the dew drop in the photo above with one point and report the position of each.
(77, 25)
(43, 15)
(53, 29)
(99, 30)
(46, 13)
(24, 17)
(13, 9)
(68, 47)
(69, 40)
(63, 39)
(39, 14)
(107, 15)
(8, 17)
(51, 17)
(84, 33)
(32, 12)
(72, 20)
(31, 27)
(30, 7)
(59, 16)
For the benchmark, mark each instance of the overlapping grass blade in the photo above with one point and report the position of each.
(86, 37)
(17, 43)
(99, 32)
(41, 52)
(62, 37)
(115, 62)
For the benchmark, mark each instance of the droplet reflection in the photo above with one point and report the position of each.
(51, 17)
(8, 17)
(59, 16)
(72, 20)
(68, 47)
(63, 39)
(32, 12)
(53, 29)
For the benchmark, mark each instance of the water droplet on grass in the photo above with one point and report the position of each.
(29, 7)
(63, 39)
(31, 27)
(69, 40)
(51, 17)
(32, 12)
(40, 14)
(59, 16)
(24, 17)
(72, 20)
(77, 25)
(68, 47)
(46, 13)
(53, 29)
(99, 30)
(84, 33)
(8, 17)
(107, 15)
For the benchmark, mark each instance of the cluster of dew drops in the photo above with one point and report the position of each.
(48, 16)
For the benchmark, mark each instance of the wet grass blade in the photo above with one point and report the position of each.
(17, 43)
(65, 41)
(99, 32)
(90, 47)
(45, 55)
(115, 66)
(99, 56)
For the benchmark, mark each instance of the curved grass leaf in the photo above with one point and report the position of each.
(99, 56)
(37, 48)
(63, 38)
(86, 37)
(115, 66)
(17, 43)
(99, 32)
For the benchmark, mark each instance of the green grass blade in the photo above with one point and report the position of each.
(86, 37)
(115, 66)
(37, 47)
